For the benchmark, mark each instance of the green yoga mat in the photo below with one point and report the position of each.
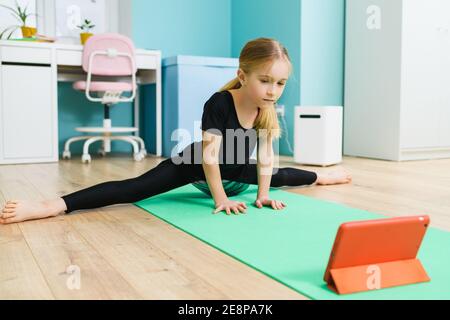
(292, 246)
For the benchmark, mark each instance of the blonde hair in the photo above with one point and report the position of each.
(255, 54)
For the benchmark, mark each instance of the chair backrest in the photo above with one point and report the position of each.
(112, 64)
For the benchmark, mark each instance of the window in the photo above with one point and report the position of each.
(60, 18)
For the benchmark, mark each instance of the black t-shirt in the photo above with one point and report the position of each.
(220, 118)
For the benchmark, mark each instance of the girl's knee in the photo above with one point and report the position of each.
(294, 177)
(279, 177)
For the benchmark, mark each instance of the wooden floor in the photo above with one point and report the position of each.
(122, 252)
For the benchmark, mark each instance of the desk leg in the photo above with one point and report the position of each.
(136, 111)
(158, 112)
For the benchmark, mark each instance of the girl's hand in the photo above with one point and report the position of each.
(229, 205)
(265, 201)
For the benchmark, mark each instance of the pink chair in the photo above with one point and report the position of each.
(108, 55)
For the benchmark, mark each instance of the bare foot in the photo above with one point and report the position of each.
(335, 177)
(18, 211)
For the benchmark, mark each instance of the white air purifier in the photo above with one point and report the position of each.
(318, 135)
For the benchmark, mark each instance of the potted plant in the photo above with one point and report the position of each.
(85, 28)
(21, 15)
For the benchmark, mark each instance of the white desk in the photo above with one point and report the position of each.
(29, 73)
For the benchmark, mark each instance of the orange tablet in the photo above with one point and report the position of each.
(375, 254)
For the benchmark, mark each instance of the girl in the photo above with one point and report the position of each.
(246, 104)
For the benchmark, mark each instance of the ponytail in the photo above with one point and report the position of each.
(268, 119)
(233, 84)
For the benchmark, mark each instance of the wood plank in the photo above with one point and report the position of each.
(57, 248)
(60, 250)
(152, 273)
(20, 275)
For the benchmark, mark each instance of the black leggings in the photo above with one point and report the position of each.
(167, 176)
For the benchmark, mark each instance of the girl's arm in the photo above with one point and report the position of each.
(264, 166)
(265, 170)
(210, 164)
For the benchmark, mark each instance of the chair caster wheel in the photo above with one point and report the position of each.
(102, 152)
(138, 156)
(66, 155)
(86, 158)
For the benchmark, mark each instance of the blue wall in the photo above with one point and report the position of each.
(183, 27)
(322, 54)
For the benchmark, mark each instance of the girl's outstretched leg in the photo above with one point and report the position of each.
(166, 176)
(294, 177)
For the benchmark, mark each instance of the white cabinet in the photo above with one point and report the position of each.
(318, 135)
(397, 101)
(28, 117)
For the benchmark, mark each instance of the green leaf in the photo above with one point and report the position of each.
(19, 9)
(1, 34)
(9, 37)
(13, 28)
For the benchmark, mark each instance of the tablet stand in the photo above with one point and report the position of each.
(377, 276)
